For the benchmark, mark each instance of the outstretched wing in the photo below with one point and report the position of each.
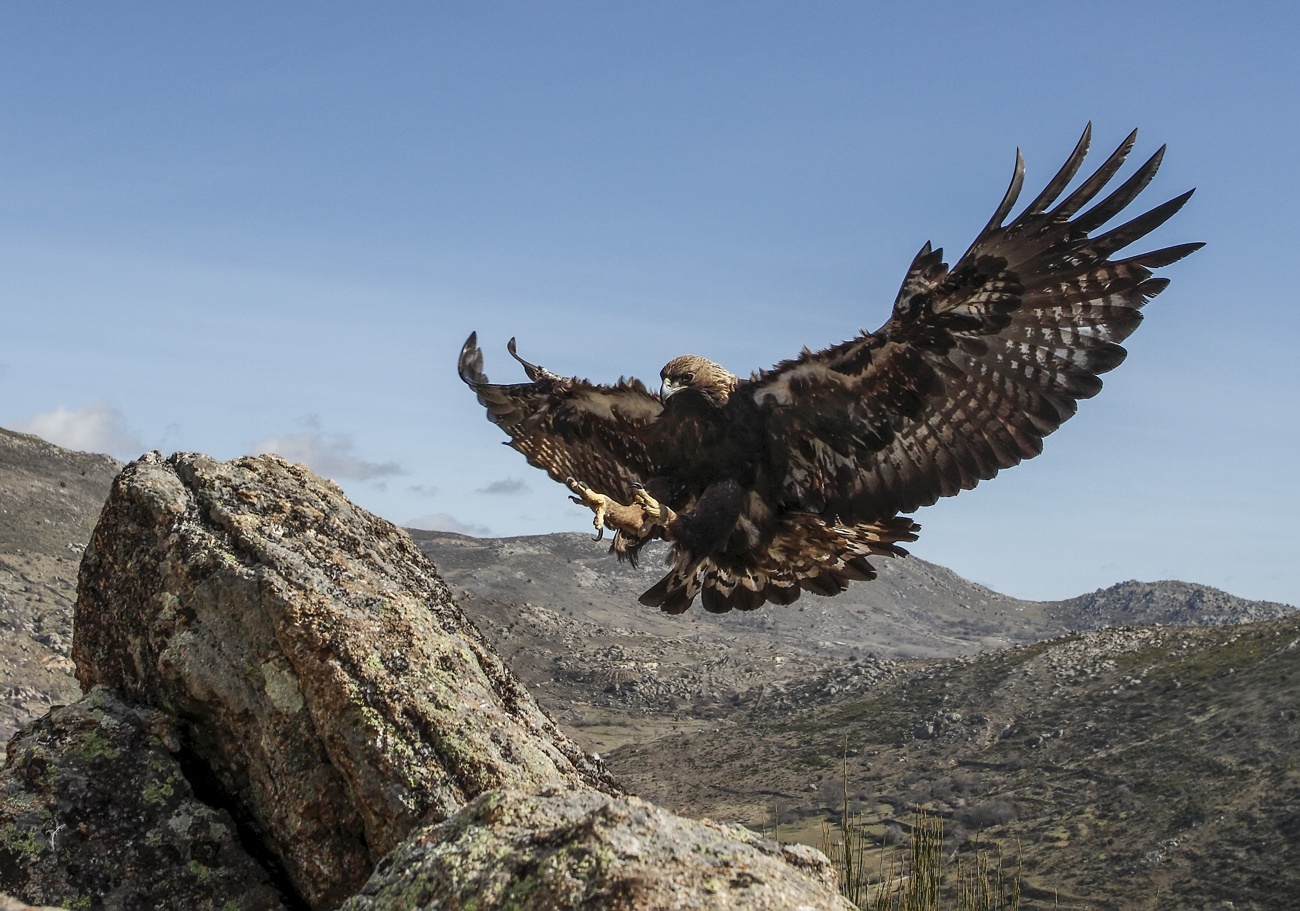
(978, 362)
(570, 427)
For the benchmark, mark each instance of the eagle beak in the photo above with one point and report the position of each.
(668, 388)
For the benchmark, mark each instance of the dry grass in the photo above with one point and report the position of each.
(924, 880)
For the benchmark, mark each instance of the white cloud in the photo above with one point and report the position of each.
(505, 485)
(98, 427)
(442, 522)
(328, 454)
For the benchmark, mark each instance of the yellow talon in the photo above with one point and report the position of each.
(635, 520)
(655, 512)
(596, 502)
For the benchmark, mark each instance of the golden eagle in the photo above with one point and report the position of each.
(787, 481)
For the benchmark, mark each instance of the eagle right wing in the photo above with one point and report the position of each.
(570, 427)
(978, 362)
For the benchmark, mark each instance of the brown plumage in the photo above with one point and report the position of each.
(787, 481)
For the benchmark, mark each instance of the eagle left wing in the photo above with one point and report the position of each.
(570, 427)
(978, 362)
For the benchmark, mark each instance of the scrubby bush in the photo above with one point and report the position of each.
(987, 814)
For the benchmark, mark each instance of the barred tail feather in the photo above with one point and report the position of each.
(807, 554)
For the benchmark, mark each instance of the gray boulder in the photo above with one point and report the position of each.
(586, 851)
(319, 672)
(311, 671)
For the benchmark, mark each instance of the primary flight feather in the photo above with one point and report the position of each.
(787, 481)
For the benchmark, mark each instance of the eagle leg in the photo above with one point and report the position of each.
(634, 520)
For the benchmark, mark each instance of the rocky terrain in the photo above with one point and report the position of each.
(286, 708)
(1133, 762)
(1123, 765)
(1131, 765)
(564, 614)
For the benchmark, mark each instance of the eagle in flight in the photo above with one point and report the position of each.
(789, 480)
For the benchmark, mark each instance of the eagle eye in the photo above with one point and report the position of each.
(688, 377)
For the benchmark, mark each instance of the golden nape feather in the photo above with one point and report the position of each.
(788, 481)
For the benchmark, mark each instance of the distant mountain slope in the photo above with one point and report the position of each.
(915, 609)
(565, 612)
(1147, 603)
(50, 499)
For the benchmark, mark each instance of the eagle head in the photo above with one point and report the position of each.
(714, 382)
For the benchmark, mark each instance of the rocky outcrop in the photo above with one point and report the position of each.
(584, 850)
(1149, 603)
(317, 668)
(283, 695)
(96, 812)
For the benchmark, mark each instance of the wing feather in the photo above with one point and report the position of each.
(571, 428)
(1012, 194)
(1089, 189)
(978, 362)
(1062, 179)
(1118, 200)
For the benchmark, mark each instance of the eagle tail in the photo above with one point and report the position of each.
(806, 554)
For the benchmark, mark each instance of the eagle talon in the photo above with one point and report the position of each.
(655, 512)
(596, 502)
(634, 520)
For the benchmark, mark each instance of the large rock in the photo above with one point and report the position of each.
(96, 813)
(325, 685)
(594, 852)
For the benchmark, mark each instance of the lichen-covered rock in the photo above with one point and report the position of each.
(585, 851)
(318, 668)
(95, 813)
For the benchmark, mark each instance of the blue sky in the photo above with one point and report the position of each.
(235, 227)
